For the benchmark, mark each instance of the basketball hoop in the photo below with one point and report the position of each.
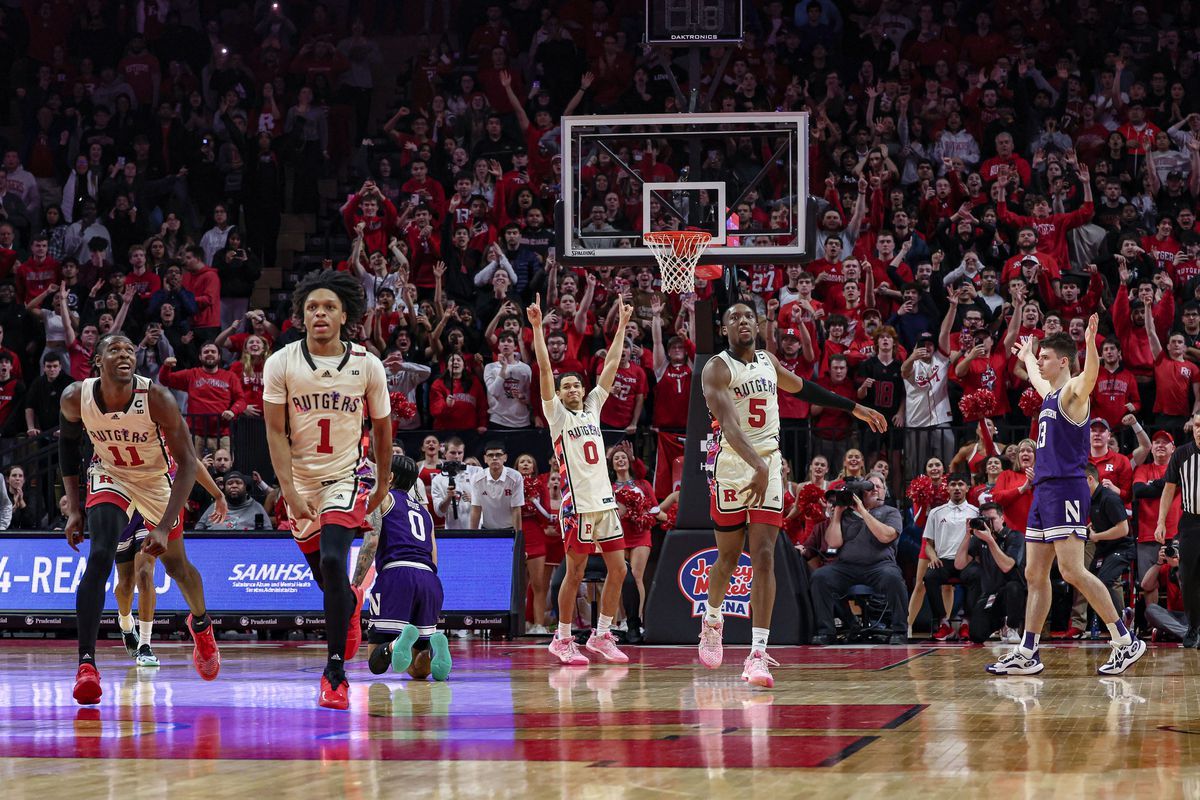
(677, 253)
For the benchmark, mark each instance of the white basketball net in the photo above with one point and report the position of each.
(677, 253)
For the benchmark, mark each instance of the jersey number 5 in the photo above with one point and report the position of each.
(758, 412)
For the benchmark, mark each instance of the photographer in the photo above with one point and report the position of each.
(945, 530)
(991, 561)
(1165, 576)
(865, 531)
(451, 488)
(1110, 547)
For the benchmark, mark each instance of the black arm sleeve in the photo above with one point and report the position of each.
(1149, 490)
(818, 395)
(70, 456)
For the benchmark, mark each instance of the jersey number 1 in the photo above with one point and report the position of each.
(324, 446)
(135, 459)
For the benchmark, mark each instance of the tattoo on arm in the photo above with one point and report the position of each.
(366, 554)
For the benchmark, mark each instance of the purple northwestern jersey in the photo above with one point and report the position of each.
(405, 533)
(1062, 445)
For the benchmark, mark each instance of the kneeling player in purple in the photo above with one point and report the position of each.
(406, 599)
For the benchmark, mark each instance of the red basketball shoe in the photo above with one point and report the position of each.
(354, 633)
(338, 699)
(87, 685)
(205, 656)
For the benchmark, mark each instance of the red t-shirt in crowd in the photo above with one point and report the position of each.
(1147, 507)
(1172, 380)
(32, 278)
(1116, 468)
(252, 384)
(206, 286)
(9, 400)
(1114, 390)
(209, 395)
(1173, 591)
(468, 409)
(237, 342)
(145, 284)
(81, 360)
(671, 394)
(1013, 502)
(790, 406)
(628, 383)
(989, 373)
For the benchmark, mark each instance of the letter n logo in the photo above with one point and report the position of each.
(1072, 508)
(731, 495)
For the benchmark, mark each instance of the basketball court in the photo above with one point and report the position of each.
(841, 722)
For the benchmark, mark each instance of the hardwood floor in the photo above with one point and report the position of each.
(841, 722)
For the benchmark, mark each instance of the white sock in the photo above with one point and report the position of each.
(126, 622)
(758, 639)
(1029, 644)
(145, 631)
(603, 624)
(713, 615)
(564, 630)
(1119, 634)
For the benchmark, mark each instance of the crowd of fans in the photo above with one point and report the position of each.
(983, 173)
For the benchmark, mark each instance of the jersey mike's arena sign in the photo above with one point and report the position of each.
(693, 582)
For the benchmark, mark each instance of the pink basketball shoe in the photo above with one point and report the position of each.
(757, 671)
(605, 646)
(566, 651)
(710, 643)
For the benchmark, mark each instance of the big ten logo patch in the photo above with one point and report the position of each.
(693, 583)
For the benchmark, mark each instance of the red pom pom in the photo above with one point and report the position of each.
(977, 405)
(636, 507)
(402, 407)
(811, 502)
(672, 517)
(924, 492)
(533, 490)
(1030, 402)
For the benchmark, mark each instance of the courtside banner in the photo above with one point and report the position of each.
(252, 573)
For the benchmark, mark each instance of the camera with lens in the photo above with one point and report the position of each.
(1171, 551)
(452, 468)
(852, 488)
(979, 524)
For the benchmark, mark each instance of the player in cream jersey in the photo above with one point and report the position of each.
(135, 427)
(316, 394)
(588, 516)
(741, 389)
(755, 390)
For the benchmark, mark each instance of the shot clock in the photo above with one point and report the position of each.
(682, 22)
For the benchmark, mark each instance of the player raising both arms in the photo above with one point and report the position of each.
(315, 394)
(1061, 505)
(137, 434)
(135, 567)
(588, 516)
(406, 599)
(741, 386)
